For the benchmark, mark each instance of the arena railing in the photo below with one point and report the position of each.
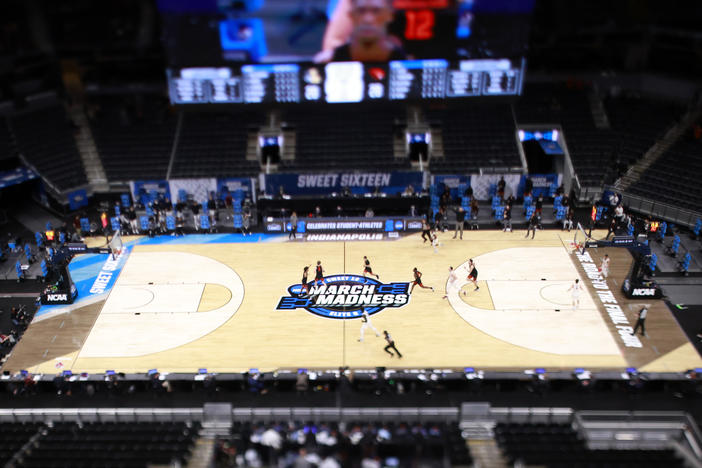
(658, 210)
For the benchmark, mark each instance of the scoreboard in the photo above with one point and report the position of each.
(346, 82)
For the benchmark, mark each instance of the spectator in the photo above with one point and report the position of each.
(474, 208)
(302, 384)
(369, 212)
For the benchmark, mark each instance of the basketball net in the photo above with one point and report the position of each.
(579, 239)
(116, 245)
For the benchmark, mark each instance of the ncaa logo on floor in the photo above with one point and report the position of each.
(344, 296)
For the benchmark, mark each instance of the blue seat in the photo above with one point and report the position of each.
(144, 223)
(18, 270)
(598, 214)
(126, 200)
(39, 238)
(630, 230)
(530, 211)
(170, 223)
(238, 221)
(528, 200)
(62, 237)
(698, 227)
(118, 210)
(652, 263)
(85, 226)
(204, 222)
(114, 223)
(675, 246)
(558, 202)
(28, 252)
(496, 201)
(149, 210)
(50, 253)
(182, 195)
(465, 202)
(685, 264)
(561, 213)
(499, 212)
(492, 190)
(44, 269)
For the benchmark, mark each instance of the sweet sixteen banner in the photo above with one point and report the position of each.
(391, 183)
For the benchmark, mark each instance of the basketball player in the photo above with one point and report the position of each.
(390, 345)
(305, 271)
(575, 287)
(451, 284)
(367, 268)
(435, 242)
(604, 266)
(426, 230)
(473, 275)
(366, 323)
(418, 281)
(318, 273)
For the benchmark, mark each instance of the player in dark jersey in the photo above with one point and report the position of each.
(318, 273)
(367, 268)
(473, 275)
(418, 281)
(305, 271)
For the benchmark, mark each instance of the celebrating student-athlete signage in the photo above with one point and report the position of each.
(320, 184)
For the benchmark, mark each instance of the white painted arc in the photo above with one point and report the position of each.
(129, 327)
(528, 308)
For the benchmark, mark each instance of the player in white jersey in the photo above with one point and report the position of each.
(575, 294)
(366, 323)
(604, 266)
(452, 282)
(435, 242)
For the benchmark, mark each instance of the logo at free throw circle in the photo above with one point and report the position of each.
(344, 296)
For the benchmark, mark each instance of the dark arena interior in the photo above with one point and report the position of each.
(350, 233)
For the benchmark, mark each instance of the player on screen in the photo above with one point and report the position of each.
(364, 25)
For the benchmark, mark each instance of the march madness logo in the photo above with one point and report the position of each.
(343, 296)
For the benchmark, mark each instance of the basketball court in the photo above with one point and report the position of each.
(179, 305)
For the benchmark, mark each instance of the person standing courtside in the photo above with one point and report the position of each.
(391, 345)
(460, 221)
(641, 321)
(293, 226)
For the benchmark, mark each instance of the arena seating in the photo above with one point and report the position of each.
(332, 139)
(410, 443)
(475, 136)
(638, 122)
(590, 148)
(215, 144)
(134, 138)
(674, 178)
(69, 444)
(45, 138)
(6, 150)
(558, 445)
(13, 436)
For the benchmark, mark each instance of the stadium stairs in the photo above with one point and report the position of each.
(658, 149)
(87, 149)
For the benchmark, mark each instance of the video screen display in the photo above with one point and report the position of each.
(336, 51)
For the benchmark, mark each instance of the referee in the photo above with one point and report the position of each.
(391, 345)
